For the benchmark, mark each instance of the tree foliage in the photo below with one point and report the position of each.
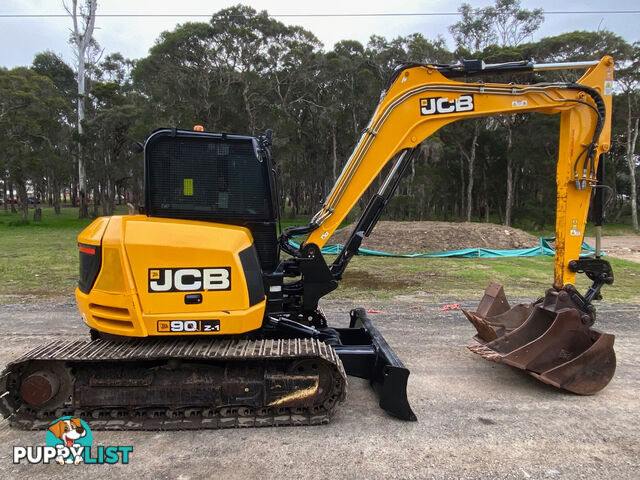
(245, 72)
(504, 23)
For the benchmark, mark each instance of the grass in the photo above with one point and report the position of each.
(41, 259)
(608, 229)
(466, 278)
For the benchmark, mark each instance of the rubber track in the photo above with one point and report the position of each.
(146, 418)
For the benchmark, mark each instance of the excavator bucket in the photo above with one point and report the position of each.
(554, 342)
(494, 317)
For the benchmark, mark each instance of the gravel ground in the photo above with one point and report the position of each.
(476, 419)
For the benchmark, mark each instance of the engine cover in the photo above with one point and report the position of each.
(158, 276)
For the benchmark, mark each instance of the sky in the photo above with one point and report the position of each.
(22, 38)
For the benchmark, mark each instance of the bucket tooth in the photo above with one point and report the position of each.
(486, 332)
(555, 344)
(486, 353)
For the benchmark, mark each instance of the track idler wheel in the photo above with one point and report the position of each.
(555, 344)
(39, 387)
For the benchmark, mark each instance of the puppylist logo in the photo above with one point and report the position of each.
(69, 441)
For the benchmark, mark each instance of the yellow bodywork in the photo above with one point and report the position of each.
(135, 247)
(399, 123)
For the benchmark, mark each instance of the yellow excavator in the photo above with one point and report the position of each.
(202, 316)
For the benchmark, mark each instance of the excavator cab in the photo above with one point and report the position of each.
(214, 177)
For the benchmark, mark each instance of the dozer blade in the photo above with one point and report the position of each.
(556, 345)
(366, 354)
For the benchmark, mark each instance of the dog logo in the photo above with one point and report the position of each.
(69, 441)
(70, 436)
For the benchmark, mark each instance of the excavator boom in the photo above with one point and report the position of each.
(552, 339)
(421, 100)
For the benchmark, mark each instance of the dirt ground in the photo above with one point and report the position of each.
(626, 247)
(475, 419)
(430, 237)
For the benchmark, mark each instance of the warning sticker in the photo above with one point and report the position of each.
(188, 187)
(608, 87)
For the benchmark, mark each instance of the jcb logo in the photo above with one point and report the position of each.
(438, 105)
(189, 279)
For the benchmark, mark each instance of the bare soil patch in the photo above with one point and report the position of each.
(626, 247)
(431, 237)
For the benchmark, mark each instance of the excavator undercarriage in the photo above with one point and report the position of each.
(202, 383)
(175, 384)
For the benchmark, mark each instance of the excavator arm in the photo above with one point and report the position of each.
(421, 99)
(551, 338)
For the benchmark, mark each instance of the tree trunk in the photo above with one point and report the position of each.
(632, 138)
(24, 201)
(462, 189)
(96, 203)
(11, 197)
(105, 190)
(112, 200)
(82, 40)
(82, 179)
(4, 194)
(355, 123)
(510, 178)
(56, 196)
(486, 195)
(335, 152)
(471, 159)
(247, 106)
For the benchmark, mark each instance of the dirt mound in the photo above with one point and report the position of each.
(431, 237)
